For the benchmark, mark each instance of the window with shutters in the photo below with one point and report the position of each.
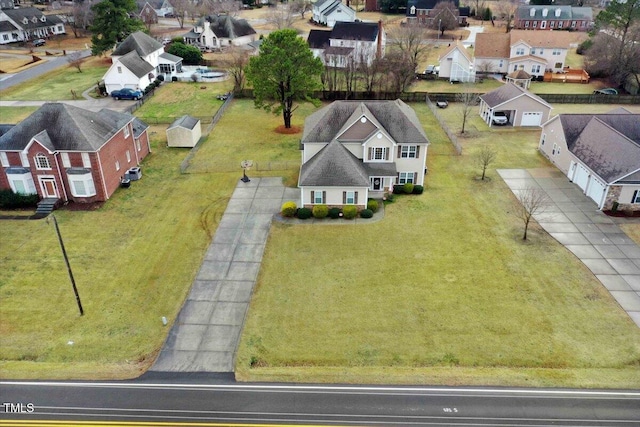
(409, 151)
(350, 197)
(406, 178)
(318, 197)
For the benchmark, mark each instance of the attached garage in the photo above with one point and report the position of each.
(531, 119)
(596, 190)
(581, 177)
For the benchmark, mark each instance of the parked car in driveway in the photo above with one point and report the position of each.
(500, 118)
(39, 42)
(126, 93)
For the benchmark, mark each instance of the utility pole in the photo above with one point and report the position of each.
(66, 260)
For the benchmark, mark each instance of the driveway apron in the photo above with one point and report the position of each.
(574, 220)
(206, 334)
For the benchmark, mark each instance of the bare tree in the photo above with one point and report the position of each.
(468, 100)
(330, 77)
(369, 73)
(236, 63)
(613, 57)
(410, 40)
(485, 157)
(281, 16)
(485, 67)
(506, 11)
(301, 7)
(75, 60)
(399, 71)
(149, 17)
(445, 16)
(80, 17)
(532, 201)
(181, 9)
(479, 7)
(350, 73)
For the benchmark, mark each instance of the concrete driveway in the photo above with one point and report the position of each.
(574, 220)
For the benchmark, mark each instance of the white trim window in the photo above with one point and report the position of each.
(126, 131)
(636, 197)
(350, 197)
(138, 144)
(378, 153)
(81, 184)
(128, 157)
(535, 68)
(117, 165)
(65, 160)
(42, 162)
(22, 183)
(24, 159)
(86, 161)
(318, 197)
(519, 51)
(4, 160)
(406, 178)
(556, 52)
(409, 151)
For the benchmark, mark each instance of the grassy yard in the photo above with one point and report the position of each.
(59, 83)
(15, 114)
(441, 291)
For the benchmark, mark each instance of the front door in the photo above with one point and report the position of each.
(377, 184)
(48, 187)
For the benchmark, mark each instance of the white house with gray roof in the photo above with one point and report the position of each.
(600, 153)
(138, 61)
(521, 107)
(328, 12)
(29, 23)
(356, 150)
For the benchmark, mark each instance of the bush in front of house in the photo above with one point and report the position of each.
(288, 209)
(11, 200)
(304, 213)
(418, 189)
(366, 213)
(408, 188)
(334, 213)
(398, 188)
(350, 211)
(388, 198)
(372, 205)
(190, 55)
(320, 211)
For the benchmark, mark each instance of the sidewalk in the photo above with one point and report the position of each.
(574, 220)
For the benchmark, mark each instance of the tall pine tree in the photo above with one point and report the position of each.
(112, 24)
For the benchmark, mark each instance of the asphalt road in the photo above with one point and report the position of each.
(202, 399)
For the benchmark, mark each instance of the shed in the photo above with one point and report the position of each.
(184, 132)
(521, 107)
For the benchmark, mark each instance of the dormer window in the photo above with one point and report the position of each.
(25, 21)
(34, 19)
(413, 10)
(43, 18)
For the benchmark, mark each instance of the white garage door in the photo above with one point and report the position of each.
(596, 190)
(531, 119)
(582, 177)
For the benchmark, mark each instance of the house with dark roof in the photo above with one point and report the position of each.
(600, 153)
(531, 51)
(71, 154)
(348, 42)
(521, 107)
(184, 132)
(328, 12)
(29, 23)
(217, 31)
(138, 61)
(553, 18)
(154, 9)
(355, 150)
(422, 12)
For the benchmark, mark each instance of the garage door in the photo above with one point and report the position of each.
(596, 190)
(531, 119)
(582, 177)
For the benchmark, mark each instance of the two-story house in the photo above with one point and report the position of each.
(71, 154)
(138, 61)
(553, 18)
(328, 12)
(355, 150)
(531, 51)
(348, 42)
(423, 12)
(154, 9)
(29, 23)
(217, 31)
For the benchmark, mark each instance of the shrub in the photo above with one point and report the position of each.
(408, 188)
(398, 189)
(288, 209)
(320, 211)
(350, 211)
(366, 213)
(418, 189)
(614, 207)
(160, 78)
(372, 205)
(11, 200)
(389, 198)
(334, 213)
(304, 213)
(190, 55)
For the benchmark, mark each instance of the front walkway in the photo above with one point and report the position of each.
(205, 336)
(574, 220)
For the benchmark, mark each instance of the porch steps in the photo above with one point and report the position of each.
(45, 207)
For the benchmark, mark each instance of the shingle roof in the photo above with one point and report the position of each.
(519, 75)
(5, 128)
(426, 4)
(18, 15)
(170, 57)
(492, 45)
(6, 26)
(397, 118)
(185, 121)
(65, 127)
(355, 31)
(318, 39)
(566, 13)
(139, 42)
(506, 93)
(544, 39)
(334, 165)
(225, 26)
(527, 58)
(135, 64)
(457, 45)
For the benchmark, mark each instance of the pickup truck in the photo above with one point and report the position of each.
(126, 93)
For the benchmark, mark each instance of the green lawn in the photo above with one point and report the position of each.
(15, 114)
(441, 291)
(59, 83)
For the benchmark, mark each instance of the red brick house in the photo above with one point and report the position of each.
(71, 154)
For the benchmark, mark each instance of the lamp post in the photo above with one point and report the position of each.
(439, 22)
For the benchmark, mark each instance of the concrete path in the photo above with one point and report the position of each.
(574, 220)
(473, 30)
(206, 334)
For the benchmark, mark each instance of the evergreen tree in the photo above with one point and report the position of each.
(112, 24)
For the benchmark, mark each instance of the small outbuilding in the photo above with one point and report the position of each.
(521, 107)
(184, 132)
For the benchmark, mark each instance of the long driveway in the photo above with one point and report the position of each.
(574, 220)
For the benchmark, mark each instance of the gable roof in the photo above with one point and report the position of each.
(318, 39)
(225, 26)
(355, 31)
(65, 127)
(506, 93)
(7, 26)
(139, 42)
(545, 39)
(426, 4)
(334, 165)
(185, 121)
(397, 118)
(457, 45)
(18, 16)
(565, 13)
(135, 64)
(492, 45)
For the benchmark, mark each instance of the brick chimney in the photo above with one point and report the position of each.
(379, 49)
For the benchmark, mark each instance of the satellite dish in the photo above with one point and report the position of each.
(246, 164)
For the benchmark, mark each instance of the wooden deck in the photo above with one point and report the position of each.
(567, 76)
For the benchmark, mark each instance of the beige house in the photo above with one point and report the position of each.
(456, 64)
(356, 150)
(521, 107)
(184, 132)
(600, 153)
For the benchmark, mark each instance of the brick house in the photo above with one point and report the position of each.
(422, 12)
(71, 154)
(553, 18)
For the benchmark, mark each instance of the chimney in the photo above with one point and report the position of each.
(379, 50)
